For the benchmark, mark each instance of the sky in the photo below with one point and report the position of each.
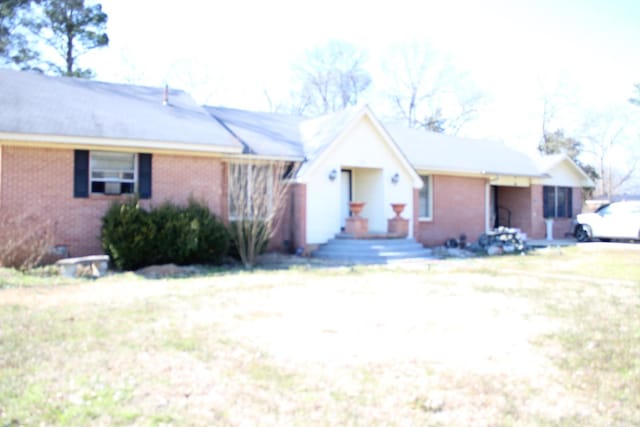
(230, 52)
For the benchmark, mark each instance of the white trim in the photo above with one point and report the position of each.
(253, 158)
(587, 181)
(475, 173)
(133, 181)
(386, 137)
(75, 141)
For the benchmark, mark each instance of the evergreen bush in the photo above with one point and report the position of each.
(134, 237)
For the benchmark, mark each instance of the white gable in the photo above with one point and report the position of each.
(563, 172)
(365, 149)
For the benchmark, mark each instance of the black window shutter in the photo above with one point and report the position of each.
(81, 173)
(570, 198)
(548, 202)
(144, 175)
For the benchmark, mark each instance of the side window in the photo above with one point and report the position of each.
(112, 173)
(425, 199)
(557, 202)
(250, 191)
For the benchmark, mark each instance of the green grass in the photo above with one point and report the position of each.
(547, 339)
(46, 276)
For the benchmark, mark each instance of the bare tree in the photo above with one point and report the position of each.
(427, 92)
(635, 99)
(257, 195)
(557, 111)
(330, 78)
(607, 140)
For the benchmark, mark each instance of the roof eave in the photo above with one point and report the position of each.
(81, 141)
(479, 173)
(261, 157)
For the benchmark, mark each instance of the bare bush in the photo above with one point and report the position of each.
(25, 239)
(257, 194)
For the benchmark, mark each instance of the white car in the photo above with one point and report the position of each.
(618, 220)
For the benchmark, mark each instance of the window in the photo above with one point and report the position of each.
(425, 199)
(112, 173)
(557, 202)
(107, 172)
(250, 191)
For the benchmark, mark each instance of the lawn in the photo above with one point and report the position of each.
(551, 338)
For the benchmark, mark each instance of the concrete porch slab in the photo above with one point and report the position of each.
(544, 243)
(372, 235)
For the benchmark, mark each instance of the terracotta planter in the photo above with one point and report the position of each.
(356, 207)
(398, 208)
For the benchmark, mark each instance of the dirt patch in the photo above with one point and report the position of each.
(168, 270)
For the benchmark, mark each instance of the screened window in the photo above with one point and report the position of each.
(425, 200)
(557, 202)
(112, 173)
(250, 191)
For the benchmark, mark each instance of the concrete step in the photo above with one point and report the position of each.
(371, 250)
(372, 242)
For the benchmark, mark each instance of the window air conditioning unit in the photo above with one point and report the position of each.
(112, 188)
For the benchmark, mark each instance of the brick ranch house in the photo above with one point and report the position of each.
(70, 147)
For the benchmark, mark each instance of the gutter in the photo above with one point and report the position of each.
(104, 143)
(250, 157)
(478, 173)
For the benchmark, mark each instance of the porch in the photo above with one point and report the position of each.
(360, 203)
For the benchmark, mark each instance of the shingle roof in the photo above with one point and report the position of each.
(37, 104)
(269, 134)
(265, 134)
(33, 103)
(438, 152)
(272, 134)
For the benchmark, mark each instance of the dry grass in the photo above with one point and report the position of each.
(25, 239)
(546, 339)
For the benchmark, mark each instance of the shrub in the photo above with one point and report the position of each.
(135, 238)
(127, 235)
(26, 239)
(210, 235)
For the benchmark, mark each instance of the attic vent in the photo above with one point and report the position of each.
(165, 97)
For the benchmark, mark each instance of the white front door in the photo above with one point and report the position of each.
(345, 196)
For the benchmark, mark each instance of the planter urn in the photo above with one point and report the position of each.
(398, 208)
(356, 207)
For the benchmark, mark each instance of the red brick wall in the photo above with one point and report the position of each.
(177, 178)
(538, 227)
(40, 181)
(416, 214)
(458, 208)
(563, 227)
(299, 216)
(290, 233)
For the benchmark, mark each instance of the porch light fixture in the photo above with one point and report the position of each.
(333, 175)
(395, 178)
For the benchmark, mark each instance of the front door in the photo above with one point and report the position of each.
(345, 196)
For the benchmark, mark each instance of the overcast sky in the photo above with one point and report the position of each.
(230, 52)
